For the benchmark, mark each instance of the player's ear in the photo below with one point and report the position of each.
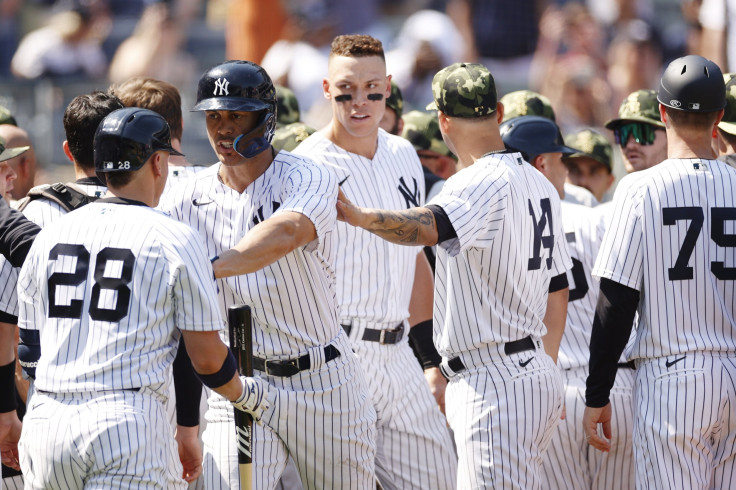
(499, 112)
(540, 163)
(388, 87)
(67, 152)
(326, 88)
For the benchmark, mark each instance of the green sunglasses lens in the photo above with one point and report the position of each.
(641, 132)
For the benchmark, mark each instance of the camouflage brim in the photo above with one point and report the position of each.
(288, 137)
(728, 123)
(6, 117)
(639, 106)
(526, 103)
(287, 106)
(422, 130)
(464, 90)
(591, 144)
(395, 101)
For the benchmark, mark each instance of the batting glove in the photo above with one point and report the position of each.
(253, 400)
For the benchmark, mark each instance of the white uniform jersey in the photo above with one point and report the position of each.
(671, 237)
(574, 194)
(375, 277)
(492, 282)
(107, 287)
(293, 299)
(180, 173)
(41, 211)
(580, 225)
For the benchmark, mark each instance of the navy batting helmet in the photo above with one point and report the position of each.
(127, 138)
(532, 136)
(241, 86)
(693, 84)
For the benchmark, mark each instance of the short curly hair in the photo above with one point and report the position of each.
(356, 46)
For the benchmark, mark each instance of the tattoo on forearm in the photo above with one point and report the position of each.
(403, 226)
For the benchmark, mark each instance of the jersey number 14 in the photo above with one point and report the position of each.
(117, 284)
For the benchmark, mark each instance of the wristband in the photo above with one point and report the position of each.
(8, 401)
(221, 377)
(421, 336)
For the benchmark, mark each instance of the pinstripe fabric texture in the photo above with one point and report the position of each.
(491, 287)
(671, 236)
(570, 462)
(319, 416)
(374, 285)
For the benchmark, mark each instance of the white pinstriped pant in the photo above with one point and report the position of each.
(100, 440)
(685, 428)
(322, 417)
(570, 463)
(503, 415)
(414, 446)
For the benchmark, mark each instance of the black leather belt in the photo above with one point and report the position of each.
(627, 365)
(391, 336)
(456, 364)
(290, 367)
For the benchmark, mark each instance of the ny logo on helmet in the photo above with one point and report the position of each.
(221, 86)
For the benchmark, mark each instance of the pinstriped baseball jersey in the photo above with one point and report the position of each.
(374, 283)
(107, 287)
(40, 211)
(293, 299)
(492, 281)
(580, 225)
(180, 173)
(671, 236)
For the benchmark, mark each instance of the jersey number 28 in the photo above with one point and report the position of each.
(117, 284)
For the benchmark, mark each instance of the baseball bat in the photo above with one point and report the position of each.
(241, 344)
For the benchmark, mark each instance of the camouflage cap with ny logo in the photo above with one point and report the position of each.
(464, 90)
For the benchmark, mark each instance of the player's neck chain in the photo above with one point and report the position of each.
(495, 152)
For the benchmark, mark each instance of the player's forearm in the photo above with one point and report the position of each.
(265, 243)
(208, 355)
(554, 320)
(415, 226)
(422, 293)
(7, 343)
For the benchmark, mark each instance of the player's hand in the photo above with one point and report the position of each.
(591, 418)
(190, 452)
(346, 210)
(10, 428)
(437, 385)
(253, 400)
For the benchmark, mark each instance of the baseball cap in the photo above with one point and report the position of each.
(422, 130)
(639, 106)
(395, 101)
(288, 137)
(464, 90)
(287, 106)
(728, 123)
(8, 153)
(6, 117)
(591, 144)
(526, 103)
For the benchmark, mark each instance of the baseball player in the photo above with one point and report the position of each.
(668, 255)
(569, 462)
(279, 211)
(290, 131)
(110, 289)
(592, 166)
(528, 103)
(500, 289)
(392, 121)
(164, 98)
(725, 141)
(377, 288)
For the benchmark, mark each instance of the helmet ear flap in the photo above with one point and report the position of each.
(257, 139)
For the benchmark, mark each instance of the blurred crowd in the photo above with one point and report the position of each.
(585, 56)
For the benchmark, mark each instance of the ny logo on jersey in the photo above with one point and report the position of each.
(535, 262)
(221, 86)
(259, 214)
(411, 197)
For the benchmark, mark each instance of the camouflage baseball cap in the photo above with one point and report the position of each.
(591, 144)
(422, 130)
(464, 90)
(395, 101)
(728, 123)
(8, 153)
(6, 117)
(287, 107)
(639, 106)
(526, 103)
(288, 137)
